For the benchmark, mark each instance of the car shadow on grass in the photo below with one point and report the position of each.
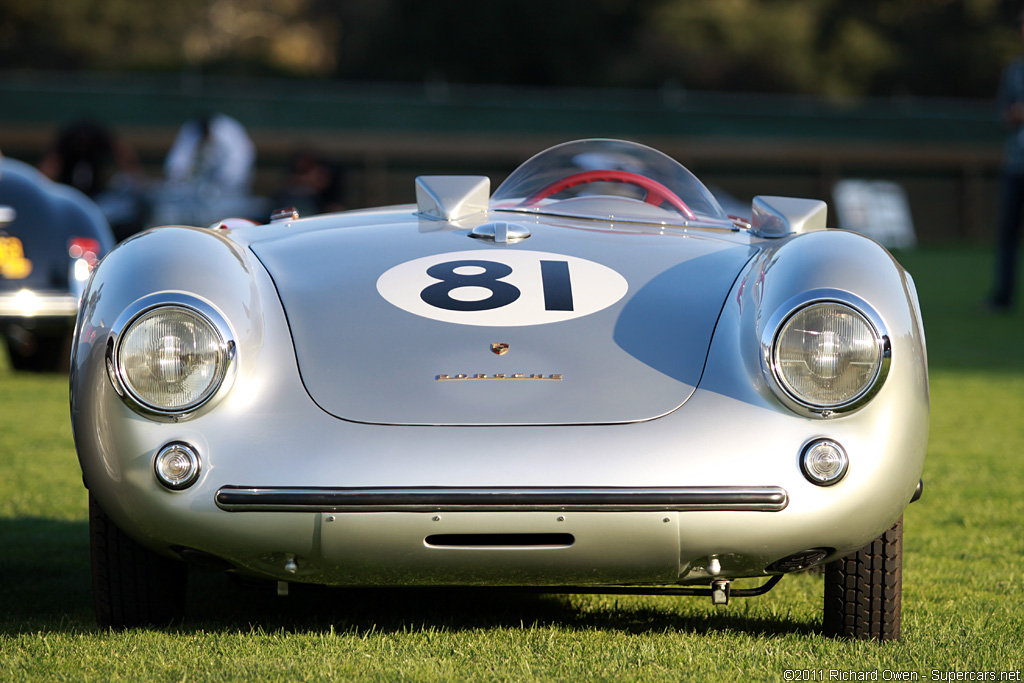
(45, 565)
(218, 603)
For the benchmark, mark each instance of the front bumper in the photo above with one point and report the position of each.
(509, 549)
(502, 536)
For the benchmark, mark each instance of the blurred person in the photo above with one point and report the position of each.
(85, 154)
(1010, 101)
(213, 150)
(208, 174)
(314, 185)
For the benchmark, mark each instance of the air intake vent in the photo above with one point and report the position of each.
(500, 540)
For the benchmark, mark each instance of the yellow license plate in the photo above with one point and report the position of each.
(13, 264)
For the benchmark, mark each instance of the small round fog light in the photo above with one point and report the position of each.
(823, 462)
(177, 466)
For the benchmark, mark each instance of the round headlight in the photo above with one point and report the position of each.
(828, 355)
(172, 359)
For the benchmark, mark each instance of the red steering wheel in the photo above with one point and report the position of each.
(657, 194)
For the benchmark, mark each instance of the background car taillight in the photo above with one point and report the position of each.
(84, 254)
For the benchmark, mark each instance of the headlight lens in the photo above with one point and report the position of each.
(827, 355)
(172, 359)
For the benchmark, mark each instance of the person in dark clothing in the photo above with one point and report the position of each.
(84, 155)
(1011, 193)
(314, 185)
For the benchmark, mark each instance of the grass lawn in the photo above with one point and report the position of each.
(963, 603)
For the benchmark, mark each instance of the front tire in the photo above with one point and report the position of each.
(131, 585)
(864, 591)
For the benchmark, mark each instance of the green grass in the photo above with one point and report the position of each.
(963, 606)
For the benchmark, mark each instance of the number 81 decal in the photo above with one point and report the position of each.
(498, 288)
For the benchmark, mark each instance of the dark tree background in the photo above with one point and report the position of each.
(948, 48)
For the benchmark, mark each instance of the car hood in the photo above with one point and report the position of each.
(417, 323)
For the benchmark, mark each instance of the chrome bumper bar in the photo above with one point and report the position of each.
(27, 304)
(502, 499)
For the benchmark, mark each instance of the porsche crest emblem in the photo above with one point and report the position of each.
(499, 348)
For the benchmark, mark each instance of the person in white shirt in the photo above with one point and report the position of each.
(208, 174)
(213, 150)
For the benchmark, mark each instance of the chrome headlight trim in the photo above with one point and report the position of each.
(773, 373)
(195, 306)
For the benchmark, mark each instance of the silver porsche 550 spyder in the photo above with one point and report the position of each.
(593, 380)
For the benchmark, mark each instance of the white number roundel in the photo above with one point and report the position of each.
(498, 288)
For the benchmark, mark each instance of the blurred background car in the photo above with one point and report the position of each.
(51, 237)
